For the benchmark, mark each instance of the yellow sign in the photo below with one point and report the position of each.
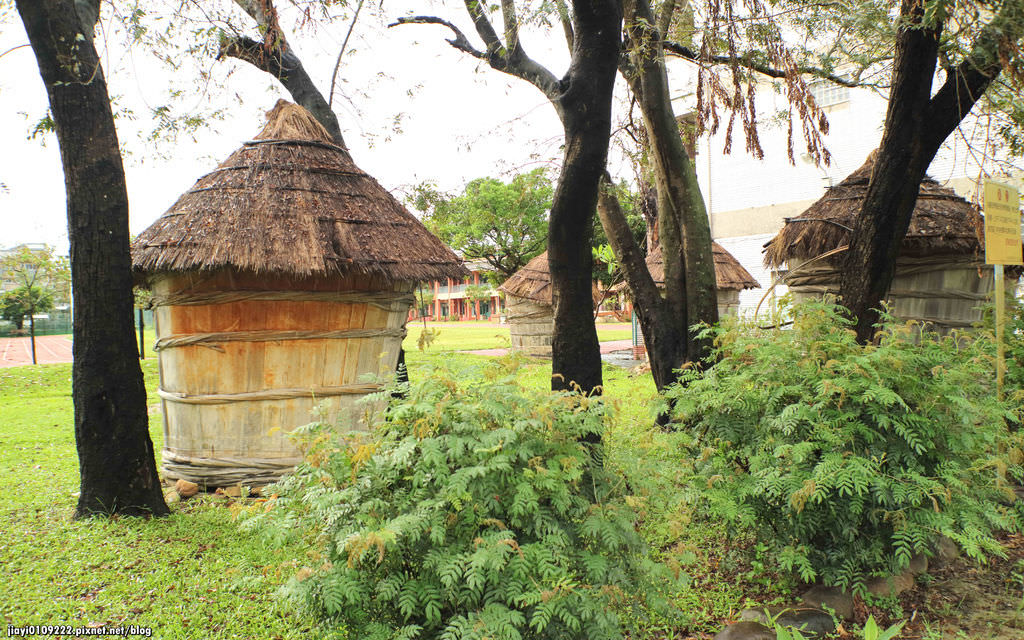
(1002, 224)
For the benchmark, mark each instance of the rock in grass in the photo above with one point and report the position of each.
(918, 564)
(746, 630)
(890, 587)
(810, 621)
(171, 497)
(185, 488)
(834, 598)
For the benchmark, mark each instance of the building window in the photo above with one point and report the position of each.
(827, 93)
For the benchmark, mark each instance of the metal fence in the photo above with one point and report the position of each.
(56, 323)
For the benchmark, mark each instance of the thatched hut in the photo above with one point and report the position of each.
(280, 279)
(528, 302)
(941, 278)
(730, 276)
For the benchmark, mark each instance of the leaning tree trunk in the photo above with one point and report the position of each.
(916, 125)
(682, 230)
(586, 114)
(115, 453)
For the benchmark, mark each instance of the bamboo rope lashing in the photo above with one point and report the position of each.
(269, 394)
(270, 335)
(382, 299)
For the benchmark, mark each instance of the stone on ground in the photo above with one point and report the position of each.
(185, 488)
(746, 631)
(834, 598)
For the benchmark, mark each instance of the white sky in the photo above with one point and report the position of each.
(459, 119)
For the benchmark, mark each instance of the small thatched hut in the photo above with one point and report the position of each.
(528, 302)
(279, 280)
(730, 276)
(941, 278)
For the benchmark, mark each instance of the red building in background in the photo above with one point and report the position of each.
(470, 299)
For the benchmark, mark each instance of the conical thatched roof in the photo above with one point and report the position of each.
(533, 282)
(290, 202)
(729, 273)
(943, 223)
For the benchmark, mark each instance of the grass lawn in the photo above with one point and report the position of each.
(196, 574)
(470, 336)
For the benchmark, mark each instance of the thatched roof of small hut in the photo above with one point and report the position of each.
(291, 202)
(533, 282)
(729, 273)
(943, 223)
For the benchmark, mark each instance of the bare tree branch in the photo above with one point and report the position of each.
(508, 14)
(665, 17)
(563, 17)
(748, 61)
(344, 45)
(284, 65)
(516, 64)
(460, 41)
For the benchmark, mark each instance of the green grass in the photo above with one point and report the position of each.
(197, 574)
(470, 336)
(191, 575)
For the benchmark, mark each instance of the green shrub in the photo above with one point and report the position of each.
(467, 512)
(847, 460)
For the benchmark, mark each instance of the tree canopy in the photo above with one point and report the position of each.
(504, 223)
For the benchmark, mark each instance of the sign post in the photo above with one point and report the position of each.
(1002, 247)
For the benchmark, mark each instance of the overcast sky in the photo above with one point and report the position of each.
(417, 110)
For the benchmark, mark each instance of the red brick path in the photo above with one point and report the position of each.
(15, 352)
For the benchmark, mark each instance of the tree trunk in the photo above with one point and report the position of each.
(916, 125)
(664, 335)
(32, 335)
(118, 473)
(683, 227)
(585, 110)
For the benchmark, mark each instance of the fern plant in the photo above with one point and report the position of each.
(467, 512)
(848, 460)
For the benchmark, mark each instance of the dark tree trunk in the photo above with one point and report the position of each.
(142, 337)
(32, 334)
(585, 110)
(679, 225)
(118, 473)
(916, 125)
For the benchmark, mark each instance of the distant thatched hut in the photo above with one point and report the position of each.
(730, 277)
(531, 318)
(941, 278)
(279, 279)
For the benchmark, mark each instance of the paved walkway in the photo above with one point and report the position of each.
(15, 352)
(606, 347)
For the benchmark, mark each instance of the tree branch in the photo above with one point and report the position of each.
(508, 14)
(519, 64)
(286, 67)
(967, 82)
(563, 17)
(460, 41)
(747, 61)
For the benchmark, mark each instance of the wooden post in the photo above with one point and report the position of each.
(142, 341)
(1000, 323)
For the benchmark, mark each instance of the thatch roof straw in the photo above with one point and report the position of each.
(943, 223)
(291, 202)
(533, 282)
(729, 273)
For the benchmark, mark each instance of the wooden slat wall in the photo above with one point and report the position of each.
(242, 430)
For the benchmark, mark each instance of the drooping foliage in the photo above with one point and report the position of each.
(467, 512)
(848, 460)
